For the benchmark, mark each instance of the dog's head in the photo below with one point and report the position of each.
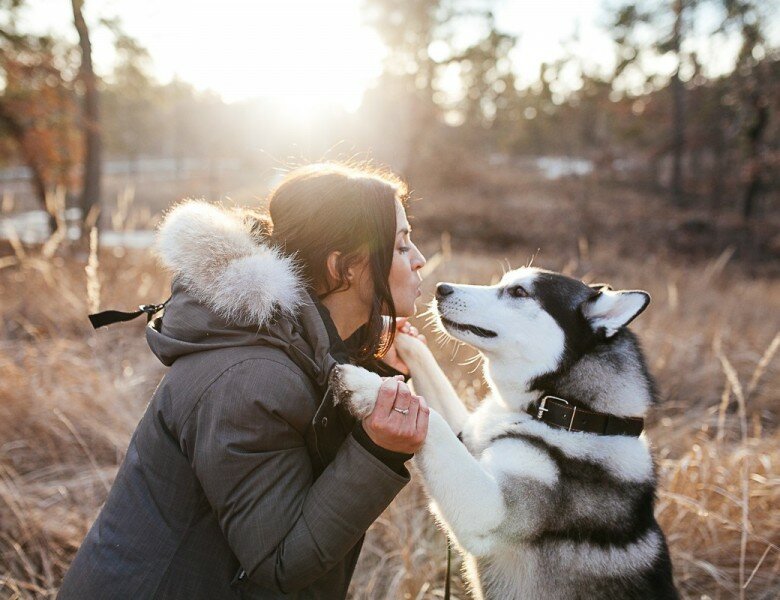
(535, 318)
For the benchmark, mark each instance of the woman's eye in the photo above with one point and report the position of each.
(404, 249)
(517, 291)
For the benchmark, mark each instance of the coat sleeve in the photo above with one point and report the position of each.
(248, 452)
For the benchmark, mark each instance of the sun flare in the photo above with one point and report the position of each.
(303, 53)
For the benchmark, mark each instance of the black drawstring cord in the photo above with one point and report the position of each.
(109, 317)
(447, 576)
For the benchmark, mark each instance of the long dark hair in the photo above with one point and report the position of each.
(321, 208)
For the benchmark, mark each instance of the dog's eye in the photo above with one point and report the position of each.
(517, 291)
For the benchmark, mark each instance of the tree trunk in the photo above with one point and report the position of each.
(755, 134)
(17, 132)
(678, 111)
(719, 165)
(90, 195)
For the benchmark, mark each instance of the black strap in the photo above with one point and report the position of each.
(560, 413)
(109, 317)
(447, 576)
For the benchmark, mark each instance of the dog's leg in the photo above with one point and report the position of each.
(430, 382)
(468, 498)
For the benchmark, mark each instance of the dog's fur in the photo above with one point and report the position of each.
(538, 511)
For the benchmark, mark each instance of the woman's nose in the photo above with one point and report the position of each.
(420, 262)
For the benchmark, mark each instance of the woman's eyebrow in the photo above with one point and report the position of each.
(405, 231)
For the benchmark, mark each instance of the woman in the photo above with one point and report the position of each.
(243, 480)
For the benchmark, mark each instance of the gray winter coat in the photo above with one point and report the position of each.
(241, 480)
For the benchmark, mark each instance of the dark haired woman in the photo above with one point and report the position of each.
(242, 479)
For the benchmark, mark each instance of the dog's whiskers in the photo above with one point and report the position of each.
(475, 360)
(505, 267)
(533, 257)
(476, 367)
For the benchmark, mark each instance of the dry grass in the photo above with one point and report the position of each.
(70, 398)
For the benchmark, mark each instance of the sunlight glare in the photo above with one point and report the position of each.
(302, 53)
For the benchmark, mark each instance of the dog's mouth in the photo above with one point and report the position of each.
(481, 332)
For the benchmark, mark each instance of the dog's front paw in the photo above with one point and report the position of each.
(355, 387)
(411, 350)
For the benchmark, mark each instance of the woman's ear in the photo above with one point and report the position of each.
(344, 271)
(333, 263)
(352, 266)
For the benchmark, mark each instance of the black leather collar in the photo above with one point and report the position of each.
(559, 413)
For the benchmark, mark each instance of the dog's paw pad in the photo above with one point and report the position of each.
(356, 388)
(339, 385)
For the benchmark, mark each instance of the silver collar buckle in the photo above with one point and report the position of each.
(543, 409)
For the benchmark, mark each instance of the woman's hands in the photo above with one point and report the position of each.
(399, 421)
(404, 429)
(392, 358)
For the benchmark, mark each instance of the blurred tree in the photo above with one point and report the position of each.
(485, 72)
(540, 112)
(90, 192)
(753, 84)
(421, 39)
(37, 105)
(44, 81)
(38, 101)
(408, 28)
(130, 103)
(719, 110)
(644, 30)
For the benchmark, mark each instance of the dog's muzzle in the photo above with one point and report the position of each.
(480, 331)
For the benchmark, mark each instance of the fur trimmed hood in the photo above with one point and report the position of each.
(212, 253)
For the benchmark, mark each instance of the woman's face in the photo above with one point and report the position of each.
(405, 279)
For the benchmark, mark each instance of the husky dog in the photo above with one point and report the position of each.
(548, 488)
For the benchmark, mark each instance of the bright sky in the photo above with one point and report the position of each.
(309, 52)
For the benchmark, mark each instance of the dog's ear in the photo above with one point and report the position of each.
(607, 310)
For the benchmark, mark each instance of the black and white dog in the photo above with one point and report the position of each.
(550, 494)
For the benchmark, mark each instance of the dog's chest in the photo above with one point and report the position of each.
(488, 422)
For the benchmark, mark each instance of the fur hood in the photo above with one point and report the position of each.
(212, 253)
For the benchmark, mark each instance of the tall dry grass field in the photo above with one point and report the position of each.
(71, 397)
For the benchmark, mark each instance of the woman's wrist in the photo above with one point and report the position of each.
(383, 369)
(393, 460)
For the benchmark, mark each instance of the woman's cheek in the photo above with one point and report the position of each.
(398, 279)
(402, 270)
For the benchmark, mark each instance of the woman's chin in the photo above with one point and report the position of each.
(407, 311)
(406, 307)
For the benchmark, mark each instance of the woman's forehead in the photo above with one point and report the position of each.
(402, 223)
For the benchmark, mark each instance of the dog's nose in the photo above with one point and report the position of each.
(443, 290)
